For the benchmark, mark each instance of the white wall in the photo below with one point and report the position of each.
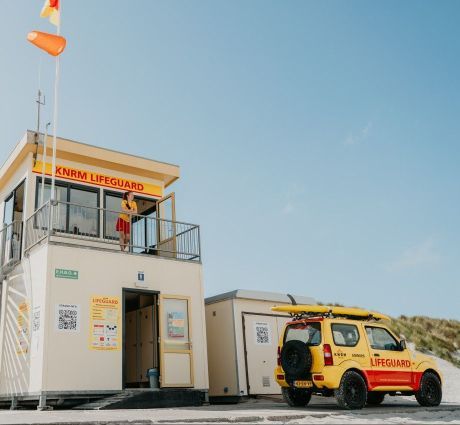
(70, 364)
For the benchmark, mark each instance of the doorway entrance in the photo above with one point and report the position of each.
(140, 337)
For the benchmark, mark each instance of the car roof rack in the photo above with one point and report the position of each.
(299, 312)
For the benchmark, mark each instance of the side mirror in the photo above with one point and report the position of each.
(402, 345)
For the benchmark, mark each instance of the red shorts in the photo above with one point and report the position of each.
(123, 226)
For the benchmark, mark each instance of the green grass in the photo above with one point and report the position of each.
(438, 336)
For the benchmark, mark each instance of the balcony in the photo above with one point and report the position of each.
(72, 224)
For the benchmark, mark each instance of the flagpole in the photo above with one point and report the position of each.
(44, 164)
(55, 113)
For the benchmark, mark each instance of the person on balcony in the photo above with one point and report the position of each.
(128, 208)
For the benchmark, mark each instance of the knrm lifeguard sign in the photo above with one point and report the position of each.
(99, 179)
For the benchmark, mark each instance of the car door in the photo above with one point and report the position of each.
(391, 366)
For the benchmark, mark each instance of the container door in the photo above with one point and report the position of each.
(261, 334)
(175, 342)
(166, 230)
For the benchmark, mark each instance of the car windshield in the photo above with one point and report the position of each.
(309, 333)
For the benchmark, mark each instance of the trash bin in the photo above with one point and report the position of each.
(153, 376)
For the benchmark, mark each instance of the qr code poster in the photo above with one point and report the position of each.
(262, 332)
(67, 318)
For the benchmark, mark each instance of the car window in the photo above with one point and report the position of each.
(381, 339)
(345, 335)
(309, 333)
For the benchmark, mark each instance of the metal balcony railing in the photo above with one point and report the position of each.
(95, 227)
(10, 246)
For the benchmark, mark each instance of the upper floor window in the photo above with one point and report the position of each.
(77, 210)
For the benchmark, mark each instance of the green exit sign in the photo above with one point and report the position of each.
(65, 274)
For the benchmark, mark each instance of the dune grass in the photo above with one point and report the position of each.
(437, 336)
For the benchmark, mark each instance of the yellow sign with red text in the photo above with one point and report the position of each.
(98, 179)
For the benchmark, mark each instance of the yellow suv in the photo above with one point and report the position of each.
(348, 353)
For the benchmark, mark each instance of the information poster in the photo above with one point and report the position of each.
(176, 324)
(23, 328)
(105, 323)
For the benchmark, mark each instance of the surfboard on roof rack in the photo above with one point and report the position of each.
(301, 311)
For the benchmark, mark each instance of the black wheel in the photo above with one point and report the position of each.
(375, 397)
(430, 391)
(296, 358)
(352, 392)
(296, 397)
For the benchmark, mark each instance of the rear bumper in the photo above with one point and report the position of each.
(329, 378)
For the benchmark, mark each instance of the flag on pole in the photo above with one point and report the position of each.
(51, 10)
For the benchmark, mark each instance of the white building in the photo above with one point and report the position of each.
(78, 317)
(243, 335)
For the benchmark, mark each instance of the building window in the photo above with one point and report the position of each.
(77, 209)
(83, 212)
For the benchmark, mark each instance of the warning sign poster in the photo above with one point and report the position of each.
(105, 332)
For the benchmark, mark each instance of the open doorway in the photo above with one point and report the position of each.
(140, 337)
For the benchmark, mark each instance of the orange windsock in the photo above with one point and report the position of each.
(52, 44)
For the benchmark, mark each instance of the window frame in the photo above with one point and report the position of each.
(389, 333)
(12, 194)
(69, 186)
(345, 324)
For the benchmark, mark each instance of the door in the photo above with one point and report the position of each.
(131, 352)
(166, 230)
(390, 366)
(147, 343)
(176, 358)
(261, 336)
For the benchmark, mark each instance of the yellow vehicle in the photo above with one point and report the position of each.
(350, 354)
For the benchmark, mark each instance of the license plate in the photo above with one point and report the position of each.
(303, 384)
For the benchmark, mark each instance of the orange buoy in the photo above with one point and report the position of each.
(52, 44)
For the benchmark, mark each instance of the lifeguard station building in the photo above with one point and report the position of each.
(79, 318)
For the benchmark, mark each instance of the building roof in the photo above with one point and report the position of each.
(260, 296)
(92, 155)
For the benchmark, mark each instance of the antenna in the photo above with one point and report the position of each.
(39, 104)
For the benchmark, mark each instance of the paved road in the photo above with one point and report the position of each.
(254, 411)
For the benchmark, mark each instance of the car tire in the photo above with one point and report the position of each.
(430, 391)
(296, 358)
(296, 397)
(375, 398)
(352, 392)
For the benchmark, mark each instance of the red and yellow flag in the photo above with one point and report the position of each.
(51, 10)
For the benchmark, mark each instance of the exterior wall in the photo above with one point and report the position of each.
(220, 333)
(69, 363)
(21, 356)
(58, 361)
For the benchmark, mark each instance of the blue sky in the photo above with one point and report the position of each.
(318, 141)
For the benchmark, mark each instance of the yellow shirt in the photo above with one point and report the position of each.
(124, 207)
